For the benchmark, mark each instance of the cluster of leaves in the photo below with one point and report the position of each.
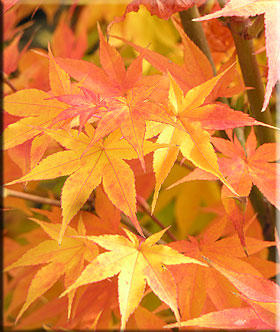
(111, 130)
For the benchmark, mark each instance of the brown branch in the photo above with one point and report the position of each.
(30, 197)
(9, 83)
(145, 208)
(251, 76)
(54, 202)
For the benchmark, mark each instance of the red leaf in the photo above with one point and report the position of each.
(237, 318)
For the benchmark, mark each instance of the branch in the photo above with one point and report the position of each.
(251, 76)
(9, 83)
(30, 197)
(54, 202)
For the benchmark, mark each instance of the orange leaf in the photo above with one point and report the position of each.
(88, 167)
(253, 287)
(66, 260)
(237, 318)
(136, 263)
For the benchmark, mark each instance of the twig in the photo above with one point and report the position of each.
(145, 208)
(54, 202)
(30, 197)
(9, 83)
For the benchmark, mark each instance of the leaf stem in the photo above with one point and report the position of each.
(145, 208)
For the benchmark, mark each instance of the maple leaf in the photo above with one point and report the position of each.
(136, 263)
(37, 111)
(195, 70)
(250, 166)
(242, 168)
(193, 140)
(67, 259)
(12, 55)
(136, 99)
(200, 283)
(110, 80)
(235, 318)
(86, 106)
(270, 9)
(101, 162)
(29, 103)
(130, 114)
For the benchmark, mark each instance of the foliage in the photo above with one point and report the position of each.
(139, 194)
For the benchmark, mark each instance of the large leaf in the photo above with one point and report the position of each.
(136, 263)
(89, 166)
(193, 139)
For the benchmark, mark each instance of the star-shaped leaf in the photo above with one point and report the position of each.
(137, 263)
(88, 166)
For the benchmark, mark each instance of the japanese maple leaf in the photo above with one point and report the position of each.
(130, 113)
(242, 168)
(37, 111)
(85, 106)
(271, 10)
(235, 318)
(110, 80)
(195, 70)
(194, 140)
(88, 167)
(68, 260)
(137, 263)
(254, 165)
(12, 55)
(201, 283)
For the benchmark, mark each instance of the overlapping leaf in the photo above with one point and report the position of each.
(236, 318)
(136, 263)
(88, 166)
(255, 165)
(38, 110)
(110, 80)
(195, 70)
(136, 99)
(202, 284)
(194, 140)
(67, 259)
